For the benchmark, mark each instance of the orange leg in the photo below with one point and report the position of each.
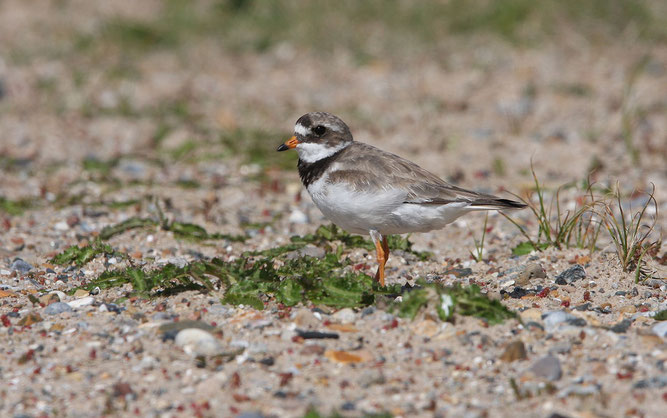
(382, 248)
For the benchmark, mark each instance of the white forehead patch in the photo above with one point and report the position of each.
(300, 129)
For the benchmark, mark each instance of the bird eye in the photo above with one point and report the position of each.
(319, 130)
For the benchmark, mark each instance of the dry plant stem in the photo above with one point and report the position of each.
(479, 245)
(625, 233)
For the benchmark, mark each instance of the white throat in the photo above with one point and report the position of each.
(311, 152)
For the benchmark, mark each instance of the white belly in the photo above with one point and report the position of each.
(383, 210)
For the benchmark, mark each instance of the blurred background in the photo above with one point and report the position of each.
(196, 95)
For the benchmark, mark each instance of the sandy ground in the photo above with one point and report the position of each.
(459, 112)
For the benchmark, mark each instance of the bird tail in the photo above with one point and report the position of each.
(494, 203)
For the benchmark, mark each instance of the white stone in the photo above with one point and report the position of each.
(81, 302)
(196, 341)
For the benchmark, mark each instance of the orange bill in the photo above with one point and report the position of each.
(289, 144)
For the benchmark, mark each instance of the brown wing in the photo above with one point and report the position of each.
(367, 167)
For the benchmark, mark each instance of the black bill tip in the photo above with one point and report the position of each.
(282, 147)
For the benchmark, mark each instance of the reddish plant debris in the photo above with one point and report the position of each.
(543, 293)
(236, 380)
(587, 296)
(27, 356)
(238, 397)
(285, 378)
(92, 354)
(622, 376)
(393, 324)
(6, 322)
(565, 303)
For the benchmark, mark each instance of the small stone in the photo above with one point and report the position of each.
(346, 357)
(656, 382)
(426, 328)
(48, 299)
(554, 318)
(61, 226)
(298, 217)
(72, 221)
(457, 272)
(179, 262)
(562, 348)
(57, 308)
(80, 293)
(170, 330)
(629, 309)
(345, 316)
(251, 414)
(307, 251)
(571, 275)
(312, 349)
(660, 329)
(371, 377)
(515, 350)
(20, 266)
(81, 302)
(30, 318)
(579, 390)
(198, 342)
(531, 271)
(531, 314)
(547, 368)
(622, 326)
(305, 318)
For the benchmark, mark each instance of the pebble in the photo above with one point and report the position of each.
(554, 318)
(660, 329)
(49, 299)
(547, 368)
(170, 330)
(531, 314)
(81, 302)
(252, 414)
(298, 217)
(621, 327)
(426, 328)
(197, 341)
(80, 293)
(307, 251)
(657, 382)
(345, 316)
(20, 266)
(371, 377)
(515, 350)
(57, 308)
(531, 271)
(579, 390)
(570, 275)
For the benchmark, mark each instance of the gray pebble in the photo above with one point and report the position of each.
(571, 275)
(254, 414)
(656, 382)
(622, 326)
(20, 266)
(547, 368)
(660, 329)
(57, 308)
(580, 390)
(554, 318)
(307, 251)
